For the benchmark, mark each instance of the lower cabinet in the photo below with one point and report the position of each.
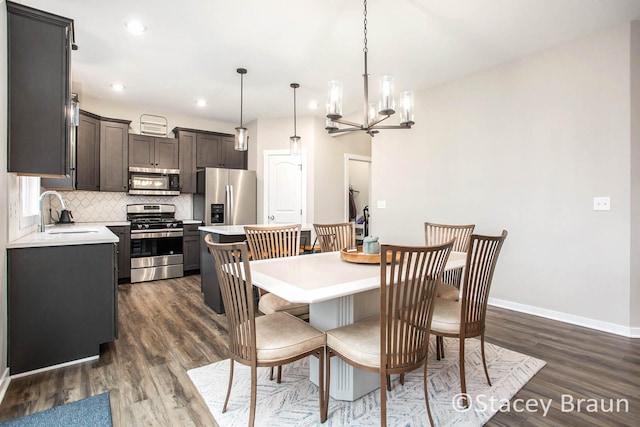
(62, 304)
(191, 247)
(124, 250)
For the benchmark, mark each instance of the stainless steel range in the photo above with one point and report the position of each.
(156, 242)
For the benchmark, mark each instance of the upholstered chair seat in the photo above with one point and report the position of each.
(448, 291)
(270, 303)
(281, 336)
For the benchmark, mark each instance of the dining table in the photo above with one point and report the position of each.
(338, 293)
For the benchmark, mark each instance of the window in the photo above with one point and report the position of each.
(29, 200)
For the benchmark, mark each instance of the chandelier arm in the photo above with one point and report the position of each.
(344, 130)
(348, 123)
(375, 122)
(400, 126)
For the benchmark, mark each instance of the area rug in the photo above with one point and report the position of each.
(93, 411)
(294, 402)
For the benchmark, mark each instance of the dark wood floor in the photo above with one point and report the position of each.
(165, 330)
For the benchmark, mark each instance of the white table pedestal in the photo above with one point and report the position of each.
(347, 382)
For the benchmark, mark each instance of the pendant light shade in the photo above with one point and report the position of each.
(294, 141)
(242, 133)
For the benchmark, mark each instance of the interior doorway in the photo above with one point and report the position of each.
(285, 185)
(357, 190)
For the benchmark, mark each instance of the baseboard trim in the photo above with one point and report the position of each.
(5, 379)
(49, 368)
(612, 328)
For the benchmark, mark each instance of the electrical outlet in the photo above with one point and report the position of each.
(601, 203)
(381, 204)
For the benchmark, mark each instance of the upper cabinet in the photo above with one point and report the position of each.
(153, 152)
(88, 152)
(187, 141)
(39, 91)
(114, 171)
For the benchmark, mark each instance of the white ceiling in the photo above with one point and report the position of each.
(192, 47)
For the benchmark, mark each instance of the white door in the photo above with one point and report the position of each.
(285, 183)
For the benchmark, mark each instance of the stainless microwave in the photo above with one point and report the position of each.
(154, 182)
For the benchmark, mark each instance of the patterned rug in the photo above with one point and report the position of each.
(294, 402)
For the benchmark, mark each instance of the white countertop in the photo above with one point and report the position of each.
(94, 234)
(238, 230)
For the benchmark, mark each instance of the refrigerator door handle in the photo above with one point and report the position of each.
(230, 204)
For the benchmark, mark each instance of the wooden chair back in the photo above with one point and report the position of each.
(481, 263)
(408, 289)
(234, 274)
(333, 237)
(435, 234)
(273, 241)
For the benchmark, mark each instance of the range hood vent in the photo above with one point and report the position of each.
(153, 125)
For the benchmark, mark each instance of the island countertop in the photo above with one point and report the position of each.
(66, 235)
(238, 230)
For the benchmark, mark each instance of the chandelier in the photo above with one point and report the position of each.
(373, 114)
(242, 133)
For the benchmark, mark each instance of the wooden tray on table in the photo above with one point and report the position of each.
(360, 257)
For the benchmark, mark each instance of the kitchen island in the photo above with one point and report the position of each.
(62, 296)
(209, 285)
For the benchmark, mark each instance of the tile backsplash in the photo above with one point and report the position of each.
(104, 206)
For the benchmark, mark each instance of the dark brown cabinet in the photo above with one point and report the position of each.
(39, 91)
(187, 142)
(88, 152)
(191, 247)
(212, 149)
(124, 250)
(62, 304)
(114, 158)
(153, 152)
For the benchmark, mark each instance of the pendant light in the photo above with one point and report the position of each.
(295, 139)
(373, 114)
(242, 133)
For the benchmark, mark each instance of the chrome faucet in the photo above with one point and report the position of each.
(49, 193)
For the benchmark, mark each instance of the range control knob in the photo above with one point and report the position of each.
(146, 226)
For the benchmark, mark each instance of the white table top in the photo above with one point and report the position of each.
(322, 276)
(238, 230)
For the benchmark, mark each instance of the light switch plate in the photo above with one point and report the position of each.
(601, 203)
(381, 204)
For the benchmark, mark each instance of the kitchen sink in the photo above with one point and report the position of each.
(71, 229)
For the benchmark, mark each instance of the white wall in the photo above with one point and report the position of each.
(330, 198)
(4, 200)
(526, 146)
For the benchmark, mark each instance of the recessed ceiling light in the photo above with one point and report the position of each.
(313, 105)
(118, 87)
(201, 103)
(136, 27)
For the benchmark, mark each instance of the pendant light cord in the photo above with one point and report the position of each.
(241, 93)
(365, 50)
(295, 132)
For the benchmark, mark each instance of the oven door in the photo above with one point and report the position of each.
(156, 254)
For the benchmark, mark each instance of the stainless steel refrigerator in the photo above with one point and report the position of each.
(225, 196)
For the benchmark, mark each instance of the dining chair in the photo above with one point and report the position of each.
(275, 242)
(264, 341)
(397, 340)
(333, 237)
(435, 234)
(466, 318)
